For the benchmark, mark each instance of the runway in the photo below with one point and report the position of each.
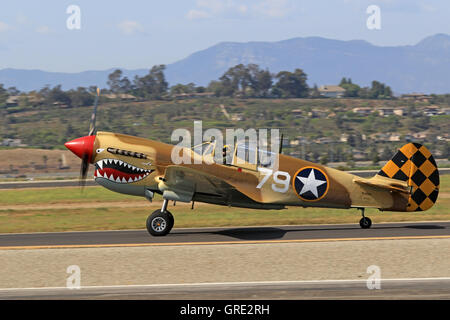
(230, 235)
(422, 288)
(272, 262)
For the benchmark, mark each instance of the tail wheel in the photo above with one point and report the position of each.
(365, 223)
(160, 223)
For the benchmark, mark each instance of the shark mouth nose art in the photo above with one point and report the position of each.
(119, 171)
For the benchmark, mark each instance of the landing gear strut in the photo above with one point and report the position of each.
(160, 222)
(365, 222)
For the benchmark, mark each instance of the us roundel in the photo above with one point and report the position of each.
(310, 184)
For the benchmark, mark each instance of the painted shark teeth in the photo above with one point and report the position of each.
(118, 171)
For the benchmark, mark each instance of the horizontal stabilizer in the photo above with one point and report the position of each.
(385, 183)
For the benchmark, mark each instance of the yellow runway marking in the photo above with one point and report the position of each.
(81, 246)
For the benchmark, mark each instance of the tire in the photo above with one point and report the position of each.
(159, 223)
(365, 223)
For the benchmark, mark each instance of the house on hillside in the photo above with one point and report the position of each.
(297, 113)
(13, 143)
(432, 111)
(324, 140)
(384, 112)
(344, 137)
(121, 96)
(400, 111)
(193, 95)
(416, 97)
(331, 91)
(12, 101)
(237, 117)
(363, 111)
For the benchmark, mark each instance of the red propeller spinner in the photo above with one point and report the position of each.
(82, 147)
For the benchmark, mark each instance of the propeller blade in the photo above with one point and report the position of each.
(281, 144)
(92, 128)
(84, 170)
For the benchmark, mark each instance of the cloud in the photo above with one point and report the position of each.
(43, 30)
(197, 14)
(22, 19)
(272, 8)
(4, 27)
(215, 8)
(128, 27)
(232, 8)
(242, 8)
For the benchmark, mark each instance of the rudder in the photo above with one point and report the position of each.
(414, 164)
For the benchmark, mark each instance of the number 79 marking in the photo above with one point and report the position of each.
(276, 179)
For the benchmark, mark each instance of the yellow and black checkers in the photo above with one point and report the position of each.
(415, 164)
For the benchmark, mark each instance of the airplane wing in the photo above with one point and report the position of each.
(186, 184)
(195, 181)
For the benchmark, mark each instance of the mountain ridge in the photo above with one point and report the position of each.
(423, 67)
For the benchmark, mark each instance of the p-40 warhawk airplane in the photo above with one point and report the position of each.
(142, 167)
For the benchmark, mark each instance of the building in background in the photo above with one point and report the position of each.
(331, 91)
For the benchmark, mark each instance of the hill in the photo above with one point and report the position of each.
(336, 130)
(423, 67)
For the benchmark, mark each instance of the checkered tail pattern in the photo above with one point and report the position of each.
(415, 164)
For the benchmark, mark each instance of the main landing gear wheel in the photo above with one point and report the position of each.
(160, 223)
(365, 223)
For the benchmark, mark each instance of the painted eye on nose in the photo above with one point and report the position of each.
(99, 150)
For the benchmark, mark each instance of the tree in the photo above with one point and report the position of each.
(343, 82)
(292, 84)
(379, 91)
(125, 85)
(235, 81)
(315, 92)
(13, 91)
(3, 94)
(55, 95)
(80, 97)
(216, 87)
(351, 89)
(374, 155)
(200, 89)
(446, 151)
(182, 88)
(260, 80)
(324, 159)
(114, 81)
(386, 154)
(153, 85)
(244, 81)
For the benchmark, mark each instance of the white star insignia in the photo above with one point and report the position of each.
(311, 184)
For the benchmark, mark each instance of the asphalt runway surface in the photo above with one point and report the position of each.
(438, 288)
(434, 287)
(238, 235)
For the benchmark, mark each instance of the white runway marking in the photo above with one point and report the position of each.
(215, 284)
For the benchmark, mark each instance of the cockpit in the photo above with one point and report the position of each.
(205, 148)
(244, 155)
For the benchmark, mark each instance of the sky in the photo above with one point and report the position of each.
(136, 34)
